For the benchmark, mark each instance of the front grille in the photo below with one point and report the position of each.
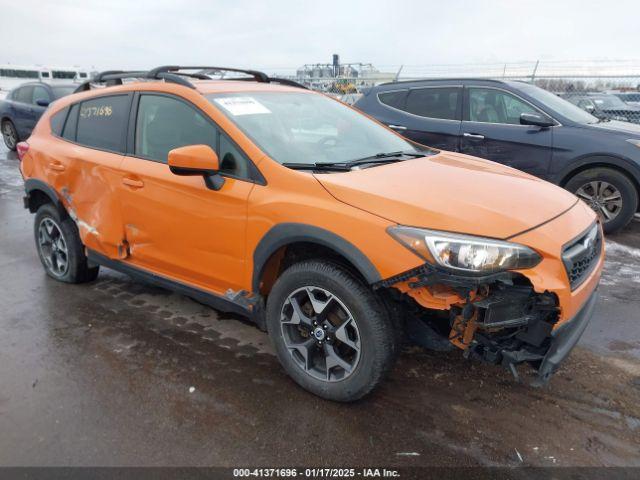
(580, 255)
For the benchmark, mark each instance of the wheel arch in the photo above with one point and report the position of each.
(285, 237)
(40, 193)
(602, 161)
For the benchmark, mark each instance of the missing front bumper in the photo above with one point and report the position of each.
(564, 338)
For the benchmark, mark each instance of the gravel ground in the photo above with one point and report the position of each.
(120, 373)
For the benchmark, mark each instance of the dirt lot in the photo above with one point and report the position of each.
(120, 373)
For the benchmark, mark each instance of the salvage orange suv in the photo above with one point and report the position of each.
(330, 231)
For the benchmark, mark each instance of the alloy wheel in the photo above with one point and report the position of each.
(10, 136)
(53, 247)
(604, 198)
(320, 334)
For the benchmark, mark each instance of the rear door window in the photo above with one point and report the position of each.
(102, 123)
(435, 102)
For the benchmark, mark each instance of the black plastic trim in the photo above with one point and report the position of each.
(289, 233)
(565, 337)
(33, 184)
(210, 299)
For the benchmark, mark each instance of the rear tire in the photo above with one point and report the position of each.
(596, 185)
(60, 248)
(352, 355)
(10, 135)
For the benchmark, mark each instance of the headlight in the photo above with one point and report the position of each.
(634, 141)
(465, 253)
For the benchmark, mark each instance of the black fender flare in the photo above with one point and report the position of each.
(33, 184)
(598, 160)
(289, 233)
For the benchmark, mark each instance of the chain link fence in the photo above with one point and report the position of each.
(609, 90)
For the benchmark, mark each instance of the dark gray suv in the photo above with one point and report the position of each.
(525, 127)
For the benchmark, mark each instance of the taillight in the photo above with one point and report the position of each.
(22, 148)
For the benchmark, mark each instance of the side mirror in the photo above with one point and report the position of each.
(198, 160)
(42, 103)
(536, 119)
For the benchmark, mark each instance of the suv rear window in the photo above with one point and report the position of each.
(435, 102)
(102, 122)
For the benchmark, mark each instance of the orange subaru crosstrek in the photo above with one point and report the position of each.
(332, 232)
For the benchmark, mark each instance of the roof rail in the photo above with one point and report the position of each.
(172, 73)
(257, 75)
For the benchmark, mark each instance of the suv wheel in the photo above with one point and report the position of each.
(60, 248)
(10, 135)
(610, 193)
(331, 333)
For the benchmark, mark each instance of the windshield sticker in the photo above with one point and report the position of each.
(237, 106)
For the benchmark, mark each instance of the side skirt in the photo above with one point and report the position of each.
(215, 301)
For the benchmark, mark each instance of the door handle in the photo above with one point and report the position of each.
(474, 136)
(132, 182)
(398, 127)
(58, 167)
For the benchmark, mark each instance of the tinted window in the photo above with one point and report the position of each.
(24, 94)
(435, 102)
(166, 123)
(70, 125)
(57, 121)
(489, 105)
(40, 93)
(102, 122)
(393, 99)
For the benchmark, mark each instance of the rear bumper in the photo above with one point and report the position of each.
(564, 338)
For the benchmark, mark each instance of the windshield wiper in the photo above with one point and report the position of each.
(384, 157)
(328, 166)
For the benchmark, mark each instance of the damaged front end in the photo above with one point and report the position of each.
(496, 318)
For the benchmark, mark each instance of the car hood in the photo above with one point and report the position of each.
(451, 192)
(617, 127)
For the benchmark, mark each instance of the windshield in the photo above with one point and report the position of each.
(629, 97)
(558, 105)
(608, 102)
(307, 128)
(59, 92)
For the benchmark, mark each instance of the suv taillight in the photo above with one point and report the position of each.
(22, 148)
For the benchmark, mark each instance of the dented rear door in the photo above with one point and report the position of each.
(88, 181)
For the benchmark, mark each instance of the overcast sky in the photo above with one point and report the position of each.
(283, 34)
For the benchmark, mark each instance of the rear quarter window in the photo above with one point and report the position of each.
(70, 126)
(57, 121)
(102, 123)
(395, 99)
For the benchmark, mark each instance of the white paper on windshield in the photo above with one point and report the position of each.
(242, 105)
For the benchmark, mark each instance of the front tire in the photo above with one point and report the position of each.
(60, 248)
(332, 335)
(610, 193)
(10, 135)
